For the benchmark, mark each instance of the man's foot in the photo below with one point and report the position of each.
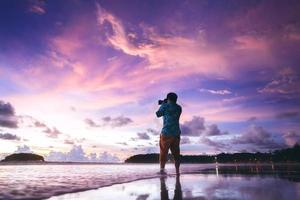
(177, 172)
(162, 172)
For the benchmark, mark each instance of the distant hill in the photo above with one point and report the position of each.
(23, 157)
(143, 158)
(283, 155)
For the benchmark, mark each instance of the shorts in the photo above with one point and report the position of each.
(166, 143)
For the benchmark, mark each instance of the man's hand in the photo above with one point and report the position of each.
(161, 110)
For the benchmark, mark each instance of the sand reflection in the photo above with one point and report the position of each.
(197, 186)
(229, 182)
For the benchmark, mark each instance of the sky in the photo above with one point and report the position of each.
(80, 80)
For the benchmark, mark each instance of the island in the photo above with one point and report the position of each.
(23, 157)
(282, 155)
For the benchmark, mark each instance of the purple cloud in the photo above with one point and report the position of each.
(287, 115)
(110, 121)
(91, 122)
(213, 130)
(52, 133)
(39, 124)
(252, 119)
(194, 127)
(9, 136)
(23, 149)
(153, 131)
(117, 121)
(77, 154)
(185, 140)
(32, 122)
(259, 137)
(69, 141)
(217, 145)
(6, 109)
(108, 158)
(143, 136)
(123, 143)
(8, 118)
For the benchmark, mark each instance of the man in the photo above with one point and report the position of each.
(170, 133)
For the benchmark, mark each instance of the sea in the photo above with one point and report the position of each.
(42, 181)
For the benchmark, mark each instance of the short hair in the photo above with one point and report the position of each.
(172, 97)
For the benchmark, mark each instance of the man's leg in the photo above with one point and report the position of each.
(175, 150)
(164, 148)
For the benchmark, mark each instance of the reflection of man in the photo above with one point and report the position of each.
(164, 195)
(170, 133)
(177, 192)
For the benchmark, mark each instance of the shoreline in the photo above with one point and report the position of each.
(163, 183)
(230, 171)
(113, 184)
(126, 163)
(54, 163)
(97, 179)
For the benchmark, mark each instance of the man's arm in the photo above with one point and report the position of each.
(180, 110)
(161, 111)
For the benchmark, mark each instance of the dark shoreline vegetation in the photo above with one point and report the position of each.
(282, 155)
(23, 157)
(278, 156)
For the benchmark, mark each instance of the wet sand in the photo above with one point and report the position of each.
(229, 182)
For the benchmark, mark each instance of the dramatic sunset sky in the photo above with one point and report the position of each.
(80, 80)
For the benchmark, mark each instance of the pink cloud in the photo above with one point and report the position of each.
(37, 7)
(247, 42)
(75, 64)
(169, 52)
(220, 92)
(286, 81)
(294, 36)
(73, 37)
(291, 138)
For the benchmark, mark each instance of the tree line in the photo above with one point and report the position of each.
(282, 155)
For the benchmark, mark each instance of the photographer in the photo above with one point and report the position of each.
(170, 133)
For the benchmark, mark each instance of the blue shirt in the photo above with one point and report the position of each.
(171, 113)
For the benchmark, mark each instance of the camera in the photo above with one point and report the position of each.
(162, 101)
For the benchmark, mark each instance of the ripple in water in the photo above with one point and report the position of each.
(42, 181)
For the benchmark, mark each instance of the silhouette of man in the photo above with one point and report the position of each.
(170, 133)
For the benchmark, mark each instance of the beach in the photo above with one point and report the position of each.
(141, 181)
(196, 186)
